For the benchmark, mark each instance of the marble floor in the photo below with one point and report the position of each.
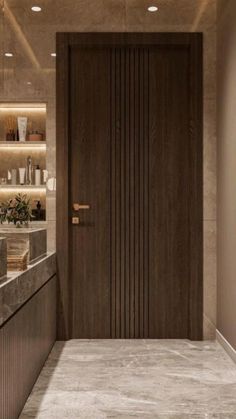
(135, 379)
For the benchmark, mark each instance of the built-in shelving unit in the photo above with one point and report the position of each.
(14, 154)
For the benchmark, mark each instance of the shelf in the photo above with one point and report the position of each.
(18, 188)
(19, 107)
(32, 224)
(23, 144)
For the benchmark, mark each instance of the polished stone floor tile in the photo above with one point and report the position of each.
(163, 379)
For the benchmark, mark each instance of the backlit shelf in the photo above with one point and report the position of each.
(26, 145)
(27, 188)
(22, 107)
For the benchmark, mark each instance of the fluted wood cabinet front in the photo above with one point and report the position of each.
(25, 342)
(130, 147)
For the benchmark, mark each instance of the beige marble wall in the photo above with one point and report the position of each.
(116, 15)
(226, 132)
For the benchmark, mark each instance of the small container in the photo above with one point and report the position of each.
(22, 127)
(37, 176)
(13, 176)
(9, 175)
(35, 136)
(45, 176)
(11, 136)
(22, 171)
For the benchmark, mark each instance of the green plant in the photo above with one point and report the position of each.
(16, 210)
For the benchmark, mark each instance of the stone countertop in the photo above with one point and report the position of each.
(18, 287)
(10, 229)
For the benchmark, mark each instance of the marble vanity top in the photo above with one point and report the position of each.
(14, 230)
(17, 287)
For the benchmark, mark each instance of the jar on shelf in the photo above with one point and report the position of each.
(35, 136)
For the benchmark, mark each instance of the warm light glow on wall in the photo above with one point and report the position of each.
(19, 189)
(26, 107)
(20, 109)
(22, 147)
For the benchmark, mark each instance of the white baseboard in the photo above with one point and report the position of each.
(226, 345)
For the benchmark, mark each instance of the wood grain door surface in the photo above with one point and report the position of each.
(132, 151)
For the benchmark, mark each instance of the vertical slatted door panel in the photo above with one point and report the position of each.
(146, 190)
(129, 174)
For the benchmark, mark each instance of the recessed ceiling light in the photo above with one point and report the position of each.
(53, 54)
(36, 8)
(152, 8)
(29, 83)
(8, 54)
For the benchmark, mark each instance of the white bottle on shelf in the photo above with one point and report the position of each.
(37, 176)
(22, 171)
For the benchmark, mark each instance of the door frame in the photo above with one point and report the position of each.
(192, 41)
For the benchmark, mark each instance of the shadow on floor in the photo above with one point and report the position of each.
(30, 410)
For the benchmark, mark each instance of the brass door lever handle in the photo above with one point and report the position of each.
(77, 207)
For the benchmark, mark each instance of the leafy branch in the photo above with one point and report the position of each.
(16, 210)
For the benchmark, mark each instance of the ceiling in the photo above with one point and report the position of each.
(31, 36)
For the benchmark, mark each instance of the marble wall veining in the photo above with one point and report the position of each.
(34, 241)
(30, 75)
(148, 379)
(19, 287)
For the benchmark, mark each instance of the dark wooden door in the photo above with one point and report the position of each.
(130, 147)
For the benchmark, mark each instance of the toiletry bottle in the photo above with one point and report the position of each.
(9, 176)
(10, 136)
(38, 205)
(13, 176)
(22, 171)
(22, 127)
(37, 176)
(38, 210)
(45, 176)
(29, 171)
